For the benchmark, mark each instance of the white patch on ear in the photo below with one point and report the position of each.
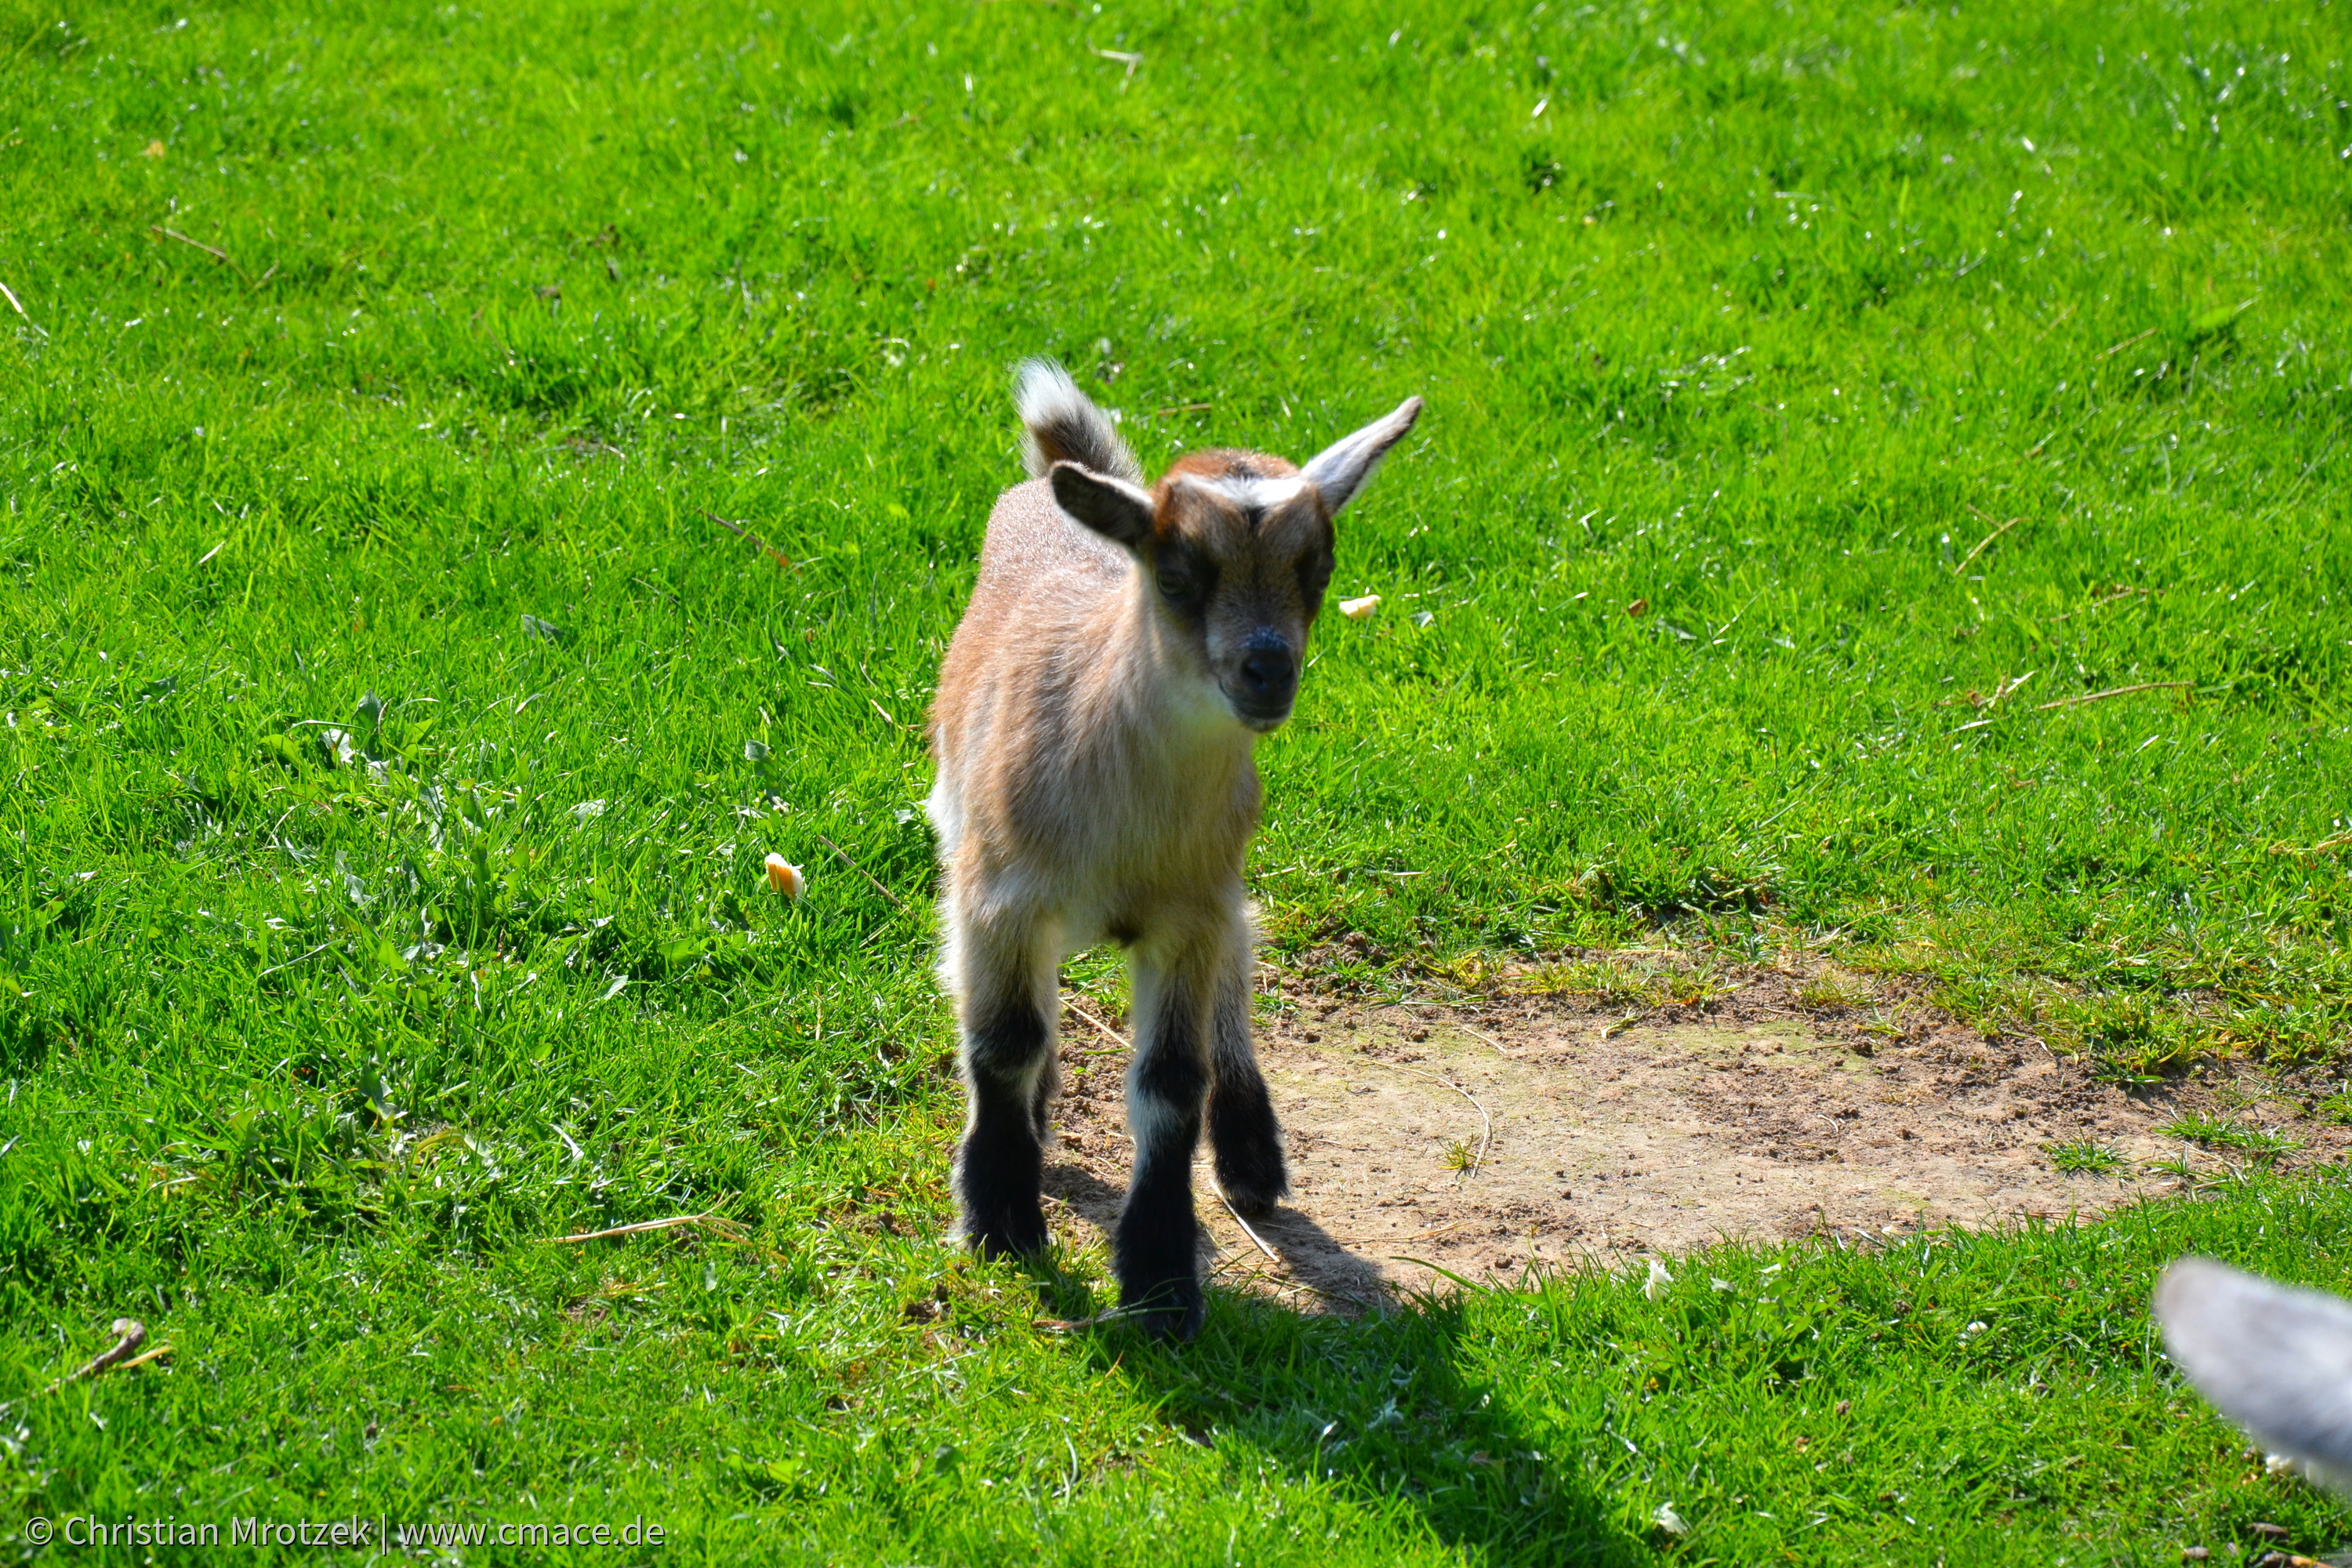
(1119, 512)
(1339, 470)
(2274, 1359)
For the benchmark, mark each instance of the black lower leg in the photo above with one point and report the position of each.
(1154, 1252)
(1242, 1129)
(1001, 1163)
(1247, 1139)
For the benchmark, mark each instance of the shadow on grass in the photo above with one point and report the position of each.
(1376, 1398)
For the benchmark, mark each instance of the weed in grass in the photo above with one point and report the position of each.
(2230, 1134)
(2085, 1157)
(2131, 1036)
(1699, 987)
(1834, 990)
(1618, 983)
(1600, 981)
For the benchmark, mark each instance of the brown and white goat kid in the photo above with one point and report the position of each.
(1124, 649)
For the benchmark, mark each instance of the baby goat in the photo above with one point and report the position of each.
(1123, 650)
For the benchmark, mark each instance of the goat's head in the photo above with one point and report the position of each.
(1236, 548)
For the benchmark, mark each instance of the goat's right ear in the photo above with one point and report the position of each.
(1339, 470)
(1119, 512)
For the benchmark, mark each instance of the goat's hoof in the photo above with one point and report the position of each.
(1252, 1180)
(1167, 1309)
(1248, 1148)
(1255, 1195)
(1021, 1236)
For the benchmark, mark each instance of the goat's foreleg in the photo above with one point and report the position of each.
(1242, 1129)
(1003, 981)
(1167, 1088)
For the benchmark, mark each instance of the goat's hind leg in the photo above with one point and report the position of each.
(1241, 1128)
(1004, 986)
(1155, 1249)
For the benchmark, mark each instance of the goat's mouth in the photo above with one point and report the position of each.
(1258, 718)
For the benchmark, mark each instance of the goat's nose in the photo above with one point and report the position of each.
(1268, 669)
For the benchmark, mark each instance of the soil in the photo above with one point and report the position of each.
(1485, 1138)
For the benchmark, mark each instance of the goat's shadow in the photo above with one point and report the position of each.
(1344, 1382)
(1316, 1259)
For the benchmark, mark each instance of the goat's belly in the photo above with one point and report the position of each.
(1095, 866)
(1123, 920)
(1129, 910)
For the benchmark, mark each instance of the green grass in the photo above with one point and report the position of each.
(1769, 318)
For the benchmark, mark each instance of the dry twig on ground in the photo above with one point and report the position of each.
(726, 1228)
(1484, 1139)
(130, 1333)
(871, 879)
(739, 531)
(1489, 1039)
(1987, 540)
(2115, 691)
(1247, 1229)
(1077, 1006)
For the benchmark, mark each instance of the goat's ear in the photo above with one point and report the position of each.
(1119, 512)
(1339, 470)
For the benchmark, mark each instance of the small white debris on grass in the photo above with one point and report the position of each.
(786, 877)
(1359, 609)
(1667, 1520)
(1655, 1285)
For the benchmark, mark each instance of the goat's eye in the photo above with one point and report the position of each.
(1183, 579)
(1314, 577)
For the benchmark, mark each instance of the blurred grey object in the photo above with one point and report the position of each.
(2275, 1358)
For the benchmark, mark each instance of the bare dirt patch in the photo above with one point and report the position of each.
(1483, 1138)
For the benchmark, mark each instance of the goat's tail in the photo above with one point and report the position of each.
(1059, 425)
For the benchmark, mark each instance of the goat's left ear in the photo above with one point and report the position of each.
(1119, 512)
(1339, 470)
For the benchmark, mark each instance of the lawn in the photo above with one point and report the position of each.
(476, 481)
